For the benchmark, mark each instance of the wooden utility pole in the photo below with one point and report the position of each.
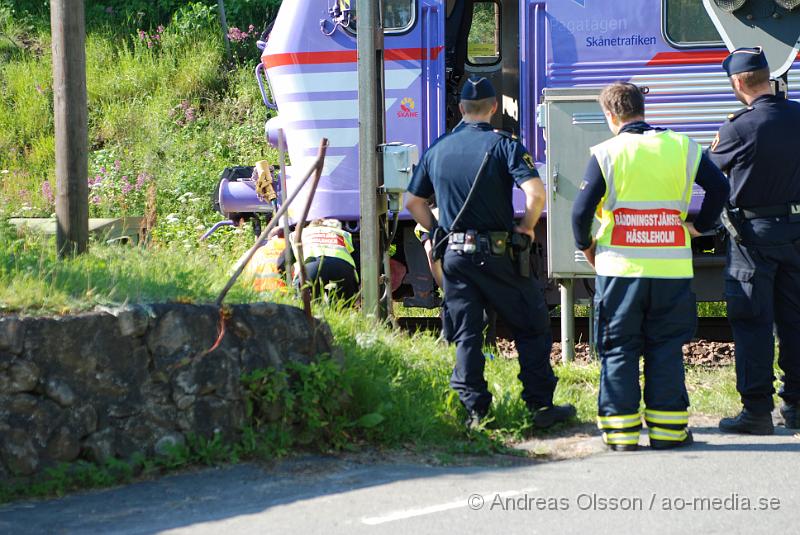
(371, 134)
(67, 20)
(223, 22)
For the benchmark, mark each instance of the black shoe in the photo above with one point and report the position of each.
(475, 420)
(791, 415)
(657, 444)
(748, 423)
(555, 414)
(623, 447)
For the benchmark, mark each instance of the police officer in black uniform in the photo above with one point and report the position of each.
(473, 171)
(759, 148)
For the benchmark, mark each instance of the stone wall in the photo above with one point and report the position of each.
(136, 379)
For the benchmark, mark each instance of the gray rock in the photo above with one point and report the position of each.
(12, 334)
(64, 445)
(123, 410)
(23, 376)
(167, 443)
(184, 383)
(137, 380)
(184, 402)
(209, 415)
(83, 420)
(99, 447)
(5, 383)
(60, 392)
(36, 415)
(181, 333)
(18, 452)
(133, 321)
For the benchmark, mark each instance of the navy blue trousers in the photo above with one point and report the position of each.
(762, 289)
(328, 269)
(472, 283)
(643, 317)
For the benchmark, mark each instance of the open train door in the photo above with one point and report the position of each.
(417, 115)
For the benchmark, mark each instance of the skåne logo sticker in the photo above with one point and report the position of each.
(407, 107)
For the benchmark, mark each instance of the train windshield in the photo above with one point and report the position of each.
(398, 15)
(686, 23)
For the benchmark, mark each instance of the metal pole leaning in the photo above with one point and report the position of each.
(240, 265)
(287, 252)
(305, 291)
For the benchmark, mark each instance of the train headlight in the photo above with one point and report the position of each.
(729, 6)
(788, 4)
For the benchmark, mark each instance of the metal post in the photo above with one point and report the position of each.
(592, 341)
(371, 133)
(71, 125)
(223, 22)
(567, 320)
(287, 252)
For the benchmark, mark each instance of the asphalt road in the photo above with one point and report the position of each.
(722, 484)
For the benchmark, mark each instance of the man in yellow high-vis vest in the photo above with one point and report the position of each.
(639, 184)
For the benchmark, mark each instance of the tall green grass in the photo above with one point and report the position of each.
(175, 112)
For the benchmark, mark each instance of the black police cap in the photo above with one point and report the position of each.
(477, 89)
(745, 60)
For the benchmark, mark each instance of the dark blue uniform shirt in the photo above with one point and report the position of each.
(450, 166)
(594, 188)
(759, 148)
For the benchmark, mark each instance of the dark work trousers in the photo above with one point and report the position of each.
(762, 289)
(637, 317)
(324, 270)
(489, 319)
(472, 283)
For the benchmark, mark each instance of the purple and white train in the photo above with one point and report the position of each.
(522, 46)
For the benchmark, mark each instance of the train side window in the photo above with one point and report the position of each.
(687, 24)
(398, 15)
(484, 35)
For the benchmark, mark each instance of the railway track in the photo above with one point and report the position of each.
(711, 329)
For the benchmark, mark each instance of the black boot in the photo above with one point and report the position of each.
(748, 423)
(791, 415)
(657, 444)
(548, 416)
(623, 447)
(475, 419)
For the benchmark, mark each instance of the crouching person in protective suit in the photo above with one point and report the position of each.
(327, 251)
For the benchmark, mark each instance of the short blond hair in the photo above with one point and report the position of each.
(753, 79)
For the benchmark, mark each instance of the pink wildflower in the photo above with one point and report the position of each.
(47, 192)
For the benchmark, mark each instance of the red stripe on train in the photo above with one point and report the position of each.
(688, 58)
(345, 56)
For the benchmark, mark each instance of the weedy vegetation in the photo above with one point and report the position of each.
(168, 112)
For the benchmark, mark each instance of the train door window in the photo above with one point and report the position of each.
(398, 15)
(484, 47)
(687, 24)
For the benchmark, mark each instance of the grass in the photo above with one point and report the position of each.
(175, 114)
(398, 384)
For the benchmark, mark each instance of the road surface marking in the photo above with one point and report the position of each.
(463, 503)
